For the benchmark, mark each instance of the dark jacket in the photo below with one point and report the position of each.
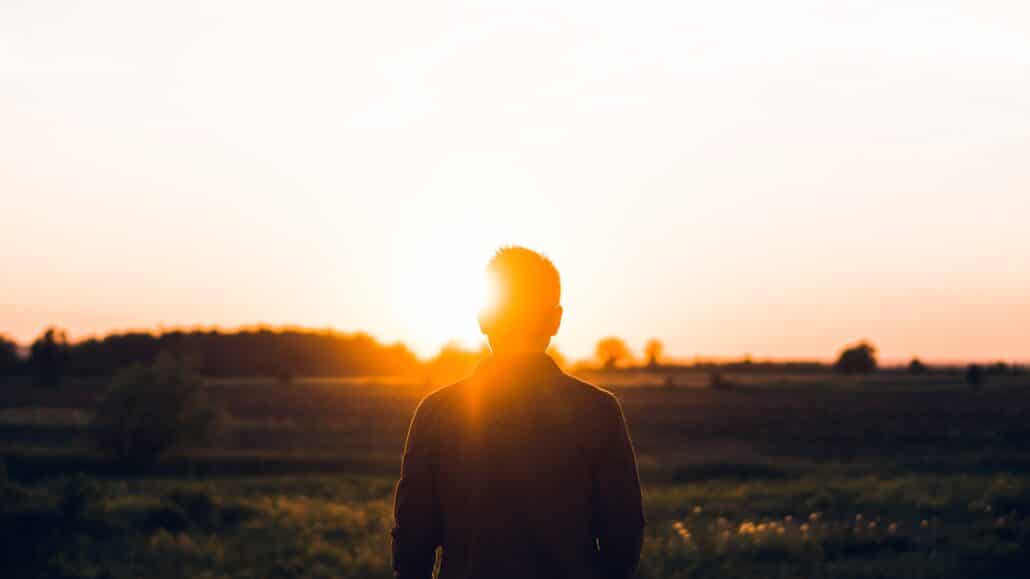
(519, 471)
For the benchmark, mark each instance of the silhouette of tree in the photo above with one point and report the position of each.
(10, 361)
(916, 366)
(857, 359)
(974, 376)
(247, 352)
(48, 356)
(610, 351)
(653, 352)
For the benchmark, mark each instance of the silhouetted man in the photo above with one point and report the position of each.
(519, 471)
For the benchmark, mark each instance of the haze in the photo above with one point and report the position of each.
(766, 178)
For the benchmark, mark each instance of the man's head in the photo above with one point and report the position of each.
(525, 305)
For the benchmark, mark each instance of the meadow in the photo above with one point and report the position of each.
(777, 476)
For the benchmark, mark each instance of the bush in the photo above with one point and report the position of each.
(916, 366)
(150, 410)
(857, 359)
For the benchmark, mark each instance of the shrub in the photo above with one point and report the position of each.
(857, 359)
(150, 410)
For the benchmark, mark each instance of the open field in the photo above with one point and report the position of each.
(880, 478)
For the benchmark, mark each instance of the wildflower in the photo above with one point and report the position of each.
(684, 534)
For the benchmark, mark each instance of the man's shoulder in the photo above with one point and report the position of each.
(589, 391)
(584, 393)
(442, 395)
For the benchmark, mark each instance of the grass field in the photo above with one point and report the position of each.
(824, 479)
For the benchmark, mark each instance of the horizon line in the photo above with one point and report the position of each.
(886, 360)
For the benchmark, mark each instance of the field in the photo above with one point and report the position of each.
(777, 476)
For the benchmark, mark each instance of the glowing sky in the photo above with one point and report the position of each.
(771, 178)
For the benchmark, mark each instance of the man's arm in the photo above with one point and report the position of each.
(619, 508)
(416, 517)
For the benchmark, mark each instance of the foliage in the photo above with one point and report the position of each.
(152, 409)
(10, 361)
(49, 356)
(610, 351)
(653, 351)
(857, 359)
(258, 351)
(916, 366)
(821, 523)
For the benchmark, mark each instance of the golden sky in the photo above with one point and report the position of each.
(769, 178)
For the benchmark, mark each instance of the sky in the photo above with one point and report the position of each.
(775, 179)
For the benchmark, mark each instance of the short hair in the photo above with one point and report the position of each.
(525, 283)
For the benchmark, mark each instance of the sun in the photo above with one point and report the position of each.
(439, 292)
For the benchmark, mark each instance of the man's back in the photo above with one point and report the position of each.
(519, 471)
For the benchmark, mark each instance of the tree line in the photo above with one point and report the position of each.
(247, 352)
(287, 352)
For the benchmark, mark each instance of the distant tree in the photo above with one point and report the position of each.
(974, 376)
(48, 356)
(653, 352)
(246, 352)
(610, 351)
(857, 359)
(916, 366)
(152, 409)
(10, 361)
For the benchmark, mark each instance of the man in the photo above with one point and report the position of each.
(519, 471)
